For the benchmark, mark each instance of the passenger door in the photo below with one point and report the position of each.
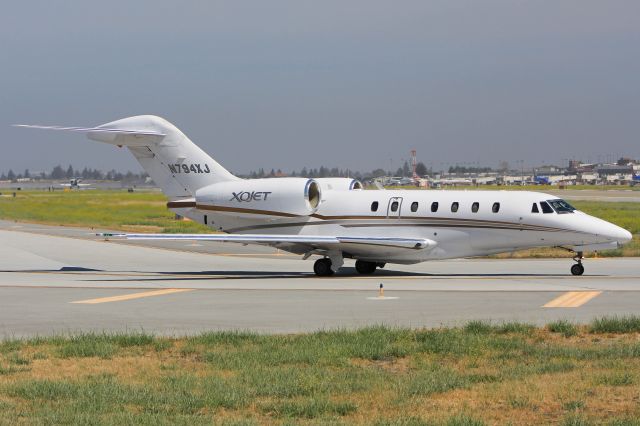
(394, 207)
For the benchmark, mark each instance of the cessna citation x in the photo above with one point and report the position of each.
(335, 219)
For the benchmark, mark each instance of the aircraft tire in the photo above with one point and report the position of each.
(322, 267)
(365, 268)
(577, 269)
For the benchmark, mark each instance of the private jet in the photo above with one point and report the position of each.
(334, 218)
(75, 183)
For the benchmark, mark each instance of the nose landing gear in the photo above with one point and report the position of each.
(577, 269)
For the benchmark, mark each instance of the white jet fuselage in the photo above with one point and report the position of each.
(501, 221)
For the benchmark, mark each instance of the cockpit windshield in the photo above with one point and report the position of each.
(561, 206)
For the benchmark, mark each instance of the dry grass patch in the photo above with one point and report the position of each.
(482, 373)
(391, 365)
(149, 229)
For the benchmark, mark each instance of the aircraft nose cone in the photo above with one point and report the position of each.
(621, 235)
(627, 237)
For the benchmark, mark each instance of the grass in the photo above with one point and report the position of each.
(480, 373)
(564, 327)
(147, 212)
(112, 209)
(616, 324)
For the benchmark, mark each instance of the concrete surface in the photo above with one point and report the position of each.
(45, 271)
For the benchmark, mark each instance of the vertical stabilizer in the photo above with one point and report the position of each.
(175, 164)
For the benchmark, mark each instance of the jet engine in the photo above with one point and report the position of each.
(339, 184)
(275, 196)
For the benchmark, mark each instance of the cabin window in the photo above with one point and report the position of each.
(534, 208)
(546, 208)
(475, 206)
(434, 207)
(495, 208)
(394, 206)
(561, 206)
(374, 206)
(454, 206)
(414, 206)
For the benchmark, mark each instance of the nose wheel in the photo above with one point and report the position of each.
(577, 269)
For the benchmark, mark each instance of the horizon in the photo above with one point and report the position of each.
(304, 171)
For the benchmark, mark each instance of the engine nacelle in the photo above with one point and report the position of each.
(339, 184)
(282, 196)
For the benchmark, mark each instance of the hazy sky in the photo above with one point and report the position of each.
(287, 84)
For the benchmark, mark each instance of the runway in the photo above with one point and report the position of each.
(64, 280)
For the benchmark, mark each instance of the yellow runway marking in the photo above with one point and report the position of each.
(572, 299)
(133, 296)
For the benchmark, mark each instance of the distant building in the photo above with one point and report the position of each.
(545, 170)
(613, 169)
(574, 164)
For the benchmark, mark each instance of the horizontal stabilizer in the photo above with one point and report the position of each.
(93, 129)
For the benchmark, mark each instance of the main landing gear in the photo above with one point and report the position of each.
(322, 267)
(365, 268)
(577, 269)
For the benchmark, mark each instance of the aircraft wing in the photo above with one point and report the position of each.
(311, 241)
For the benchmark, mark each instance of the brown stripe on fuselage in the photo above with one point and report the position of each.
(180, 204)
(243, 210)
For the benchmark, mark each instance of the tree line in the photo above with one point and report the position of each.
(322, 171)
(59, 173)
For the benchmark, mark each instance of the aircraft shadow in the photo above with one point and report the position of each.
(344, 273)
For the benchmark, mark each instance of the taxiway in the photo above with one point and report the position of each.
(57, 280)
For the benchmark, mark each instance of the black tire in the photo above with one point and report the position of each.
(364, 267)
(577, 269)
(322, 267)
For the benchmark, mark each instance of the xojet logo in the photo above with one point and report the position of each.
(249, 196)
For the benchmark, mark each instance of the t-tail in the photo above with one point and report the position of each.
(175, 164)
